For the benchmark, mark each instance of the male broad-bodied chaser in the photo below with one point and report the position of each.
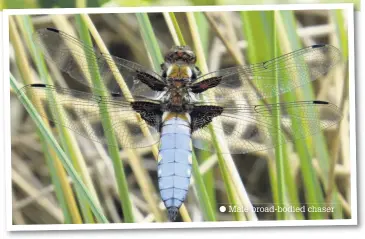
(180, 107)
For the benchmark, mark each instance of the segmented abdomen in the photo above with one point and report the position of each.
(174, 165)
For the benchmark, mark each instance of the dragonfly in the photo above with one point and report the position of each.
(178, 108)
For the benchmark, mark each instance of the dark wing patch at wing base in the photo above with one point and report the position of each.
(150, 112)
(203, 115)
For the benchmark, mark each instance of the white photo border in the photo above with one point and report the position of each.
(348, 7)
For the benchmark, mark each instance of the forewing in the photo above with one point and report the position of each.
(245, 128)
(270, 78)
(73, 57)
(80, 112)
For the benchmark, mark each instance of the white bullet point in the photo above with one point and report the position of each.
(222, 209)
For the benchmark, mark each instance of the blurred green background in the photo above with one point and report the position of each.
(77, 181)
(99, 3)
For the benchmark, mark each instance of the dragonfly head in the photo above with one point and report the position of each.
(180, 54)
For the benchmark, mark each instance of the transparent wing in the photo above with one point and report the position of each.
(73, 57)
(80, 112)
(269, 78)
(248, 128)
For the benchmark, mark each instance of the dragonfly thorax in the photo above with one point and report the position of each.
(178, 78)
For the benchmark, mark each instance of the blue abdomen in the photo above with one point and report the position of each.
(174, 165)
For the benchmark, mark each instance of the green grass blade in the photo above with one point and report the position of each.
(306, 147)
(341, 31)
(171, 26)
(57, 185)
(228, 171)
(177, 29)
(150, 40)
(259, 30)
(60, 153)
(106, 122)
(340, 38)
(203, 27)
(203, 197)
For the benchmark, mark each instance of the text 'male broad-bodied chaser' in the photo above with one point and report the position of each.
(180, 107)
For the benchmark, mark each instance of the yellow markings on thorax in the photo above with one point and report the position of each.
(169, 115)
(179, 71)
